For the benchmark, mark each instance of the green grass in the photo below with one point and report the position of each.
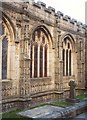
(82, 96)
(40, 105)
(12, 114)
(61, 103)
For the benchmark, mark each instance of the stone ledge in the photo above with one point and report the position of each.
(16, 99)
(42, 93)
(6, 80)
(46, 93)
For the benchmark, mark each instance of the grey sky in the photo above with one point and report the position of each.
(73, 8)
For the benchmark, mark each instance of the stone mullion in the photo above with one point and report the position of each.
(38, 72)
(43, 62)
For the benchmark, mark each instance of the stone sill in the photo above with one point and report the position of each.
(5, 80)
(40, 78)
(71, 77)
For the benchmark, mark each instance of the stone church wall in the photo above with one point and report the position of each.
(22, 20)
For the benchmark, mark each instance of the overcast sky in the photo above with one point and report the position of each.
(73, 8)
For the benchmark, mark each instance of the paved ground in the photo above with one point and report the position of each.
(42, 112)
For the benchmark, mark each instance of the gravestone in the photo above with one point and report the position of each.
(72, 93)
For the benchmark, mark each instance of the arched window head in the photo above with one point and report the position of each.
(7, 34)
(67, 56)
(41, 41)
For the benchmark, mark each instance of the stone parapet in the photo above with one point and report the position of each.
(41, 12)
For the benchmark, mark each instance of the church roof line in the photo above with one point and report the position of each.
(24, 5)
(59, 14)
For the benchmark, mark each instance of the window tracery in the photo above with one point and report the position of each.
(39, 53)
(67, 57)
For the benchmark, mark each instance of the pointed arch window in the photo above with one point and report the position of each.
(39, 53)
(67, 57)
(6, 37)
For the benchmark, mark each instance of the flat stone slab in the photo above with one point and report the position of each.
(47, 111)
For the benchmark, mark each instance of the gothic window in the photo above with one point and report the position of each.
(39, 53)
(67, 57)
(6, 58)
